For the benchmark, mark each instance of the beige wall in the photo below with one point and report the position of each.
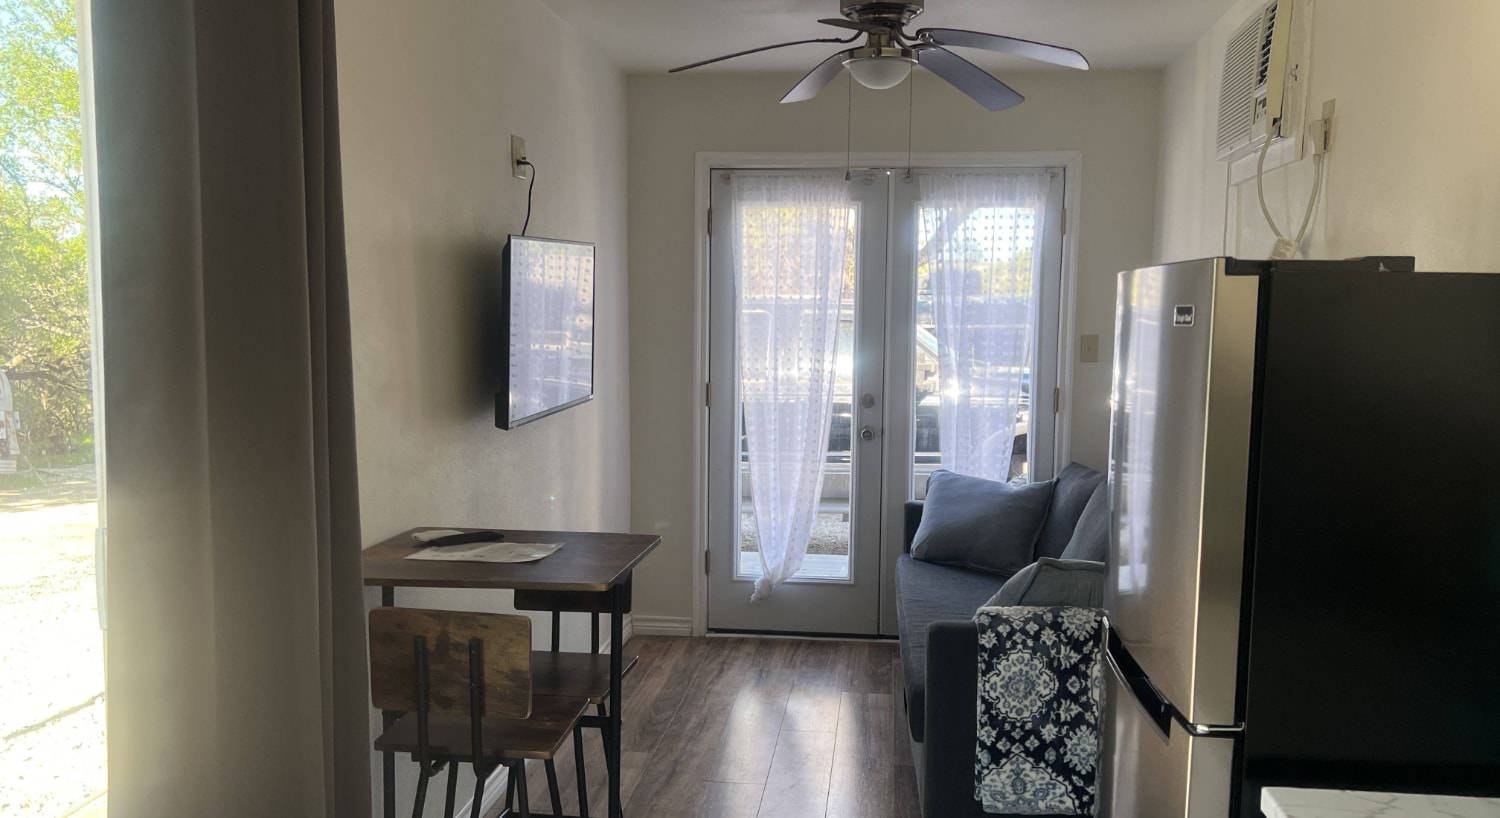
(430, 93)
(1414, 169)
(1110, 117)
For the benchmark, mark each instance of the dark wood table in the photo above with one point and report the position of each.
(588, 562)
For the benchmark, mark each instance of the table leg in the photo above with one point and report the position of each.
(387, 718)
(616, 678)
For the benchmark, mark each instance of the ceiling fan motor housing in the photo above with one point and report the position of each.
(888, 54)
(881, 11)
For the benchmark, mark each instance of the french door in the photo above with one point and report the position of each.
(911, 319)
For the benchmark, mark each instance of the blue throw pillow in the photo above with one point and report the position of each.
(1074, 486)
(983, 525)
(1091, 536)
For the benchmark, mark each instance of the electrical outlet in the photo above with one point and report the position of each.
(1320, 133)
(1088, 349)
(517, 153)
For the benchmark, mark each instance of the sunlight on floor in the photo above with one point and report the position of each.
(52, 752)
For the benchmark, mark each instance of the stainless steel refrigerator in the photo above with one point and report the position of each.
(1304, 577)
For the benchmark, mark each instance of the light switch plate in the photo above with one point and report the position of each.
(1088, 349)
(517, 153)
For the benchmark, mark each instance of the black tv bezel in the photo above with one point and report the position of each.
(502, 397)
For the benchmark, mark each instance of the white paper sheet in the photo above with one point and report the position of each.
(487, 552)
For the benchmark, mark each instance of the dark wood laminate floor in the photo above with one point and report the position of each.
(744, 727)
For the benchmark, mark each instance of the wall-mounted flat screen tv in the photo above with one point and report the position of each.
(547, 309)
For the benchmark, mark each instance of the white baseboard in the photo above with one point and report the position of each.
(661, 625)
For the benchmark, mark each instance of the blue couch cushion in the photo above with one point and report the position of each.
(983, 525)
(928, 593)
(1074, 487)
(1091, 536)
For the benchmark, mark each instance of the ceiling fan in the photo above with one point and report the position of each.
(888, 54)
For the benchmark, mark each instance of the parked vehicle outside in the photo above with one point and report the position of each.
(10, 428)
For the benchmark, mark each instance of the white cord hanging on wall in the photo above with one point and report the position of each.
(1287, 247)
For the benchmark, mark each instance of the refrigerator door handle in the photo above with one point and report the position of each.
(1158, 708)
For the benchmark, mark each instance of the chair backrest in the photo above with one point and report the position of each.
(504, 649)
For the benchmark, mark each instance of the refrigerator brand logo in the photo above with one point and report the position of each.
(1182, 315)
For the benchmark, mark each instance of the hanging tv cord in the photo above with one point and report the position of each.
(530, 186)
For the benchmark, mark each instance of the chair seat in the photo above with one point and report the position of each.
(551, 722)
(574, 674)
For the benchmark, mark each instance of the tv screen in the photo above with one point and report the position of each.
(547, 295)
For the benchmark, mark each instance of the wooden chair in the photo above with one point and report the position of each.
(463, 682)
(569, 674)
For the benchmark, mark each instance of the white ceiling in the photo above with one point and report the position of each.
(644, 36)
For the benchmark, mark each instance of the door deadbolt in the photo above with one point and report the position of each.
(866, 433)
(867, 401)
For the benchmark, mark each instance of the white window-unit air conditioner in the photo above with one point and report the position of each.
(1262, 93)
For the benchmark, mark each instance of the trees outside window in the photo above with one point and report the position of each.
(44, 299)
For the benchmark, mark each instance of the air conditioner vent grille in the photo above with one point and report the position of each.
(1264, 69)
(1263, 90)
(1243, 71)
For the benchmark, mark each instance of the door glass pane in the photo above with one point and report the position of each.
(977, 298)
(828, 549)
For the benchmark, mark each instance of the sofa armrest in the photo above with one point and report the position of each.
(950, 721)
(948, 734)
(912, 519)
(1052, 582)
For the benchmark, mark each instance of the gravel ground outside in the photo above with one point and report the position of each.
(830, 534)
(52, 751)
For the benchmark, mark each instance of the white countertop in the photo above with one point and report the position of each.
(1294, 802)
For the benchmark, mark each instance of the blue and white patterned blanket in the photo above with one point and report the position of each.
(1041, 693)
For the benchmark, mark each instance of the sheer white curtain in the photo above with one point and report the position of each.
(793, 235)
(980, 242)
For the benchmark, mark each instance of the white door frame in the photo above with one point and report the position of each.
(704, 164)
(847, 605)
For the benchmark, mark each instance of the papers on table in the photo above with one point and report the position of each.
(499, 551)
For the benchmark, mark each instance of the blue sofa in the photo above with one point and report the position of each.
(935, 608)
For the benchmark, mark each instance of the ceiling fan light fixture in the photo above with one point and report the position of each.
(880, 68)
(889, 51)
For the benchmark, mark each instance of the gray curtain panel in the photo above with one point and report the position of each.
(236, 673)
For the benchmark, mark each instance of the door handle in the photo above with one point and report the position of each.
(1158, 708)
(866, 433)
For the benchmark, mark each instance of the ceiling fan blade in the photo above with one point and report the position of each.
(851, 24)
(969, 78)
(817, 79)
(758, 50)
(1055, 54)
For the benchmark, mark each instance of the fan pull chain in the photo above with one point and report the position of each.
(849, 131)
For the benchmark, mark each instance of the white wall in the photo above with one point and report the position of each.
(1109, 116)
(1414, 168)
(429, 95)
